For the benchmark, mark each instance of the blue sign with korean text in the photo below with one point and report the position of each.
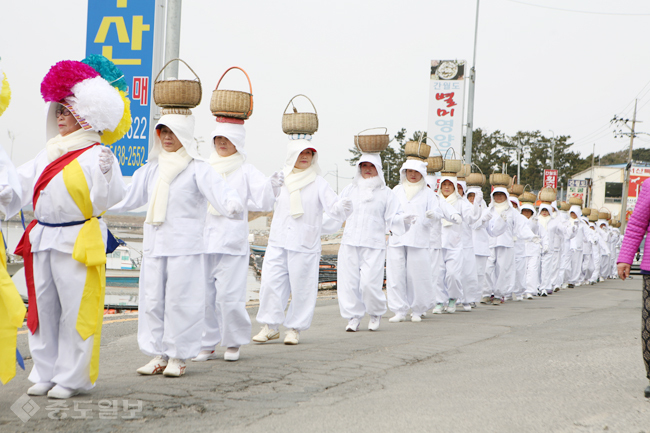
(123, 32)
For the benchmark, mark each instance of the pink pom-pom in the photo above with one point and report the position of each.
(59, 80)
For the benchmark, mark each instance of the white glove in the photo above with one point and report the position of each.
(536, 240)
(6, 194)
(545, 249)
(234, 207)
(478, 196)
(410, 219)
(347, 204)
(514, 238)
(430, 214)
(457, 218)
(504, 216)
(106, 159)
(277, 179)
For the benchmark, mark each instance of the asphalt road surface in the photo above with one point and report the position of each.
(567, 363)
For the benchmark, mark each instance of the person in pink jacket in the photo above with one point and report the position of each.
(637, 227)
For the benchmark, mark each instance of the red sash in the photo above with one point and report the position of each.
(24, 247)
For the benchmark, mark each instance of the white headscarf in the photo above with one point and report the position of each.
(296, 179)
(226, 165)
(367, 186)
(545, 219)
(576, 210)
(463, 184)
(451, 198)
(500, 207)
(170, 164)
(410, 188)
(529, 206)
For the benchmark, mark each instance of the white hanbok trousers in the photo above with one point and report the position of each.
(504, 272)
(284, 273)
(587, 267)
(595, 268)
(490, 278)
(547, 273)
(482, 283)
(604, 265)
(360, 278)
(408, 280)
(453, 260)
(226, 319)
(576, 267)
(564, 268)
(471, 291)
(440, 295)
(171, 305)
(520, 276)
(532, 274)
(60, 354)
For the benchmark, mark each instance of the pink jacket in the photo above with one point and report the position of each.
(636, 229)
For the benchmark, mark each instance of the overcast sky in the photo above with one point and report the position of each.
(366, 64)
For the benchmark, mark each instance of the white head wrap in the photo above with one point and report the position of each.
(296, 179)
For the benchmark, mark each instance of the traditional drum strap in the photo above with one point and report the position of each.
(12, 310)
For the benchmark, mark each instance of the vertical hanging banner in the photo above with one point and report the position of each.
(638, 175)
(446, 105)
(550, 179)
(577, 188)
(123, 32)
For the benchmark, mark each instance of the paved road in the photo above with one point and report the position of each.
(568, 363)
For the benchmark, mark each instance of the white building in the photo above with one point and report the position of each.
(606, 187)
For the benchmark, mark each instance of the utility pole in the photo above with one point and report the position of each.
(628, 167)
(593, 156)
(470, 100)
(337, 178)
(173, 36)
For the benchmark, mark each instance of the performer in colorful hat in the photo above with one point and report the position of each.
(70, 184)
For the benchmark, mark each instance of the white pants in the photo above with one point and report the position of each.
(360, 277)
(532, 274)
(481, 263)
(604, 265)
(408, 280)
(172, 304)
(547, 273)
(453, 260)
(576, 267)
(440, 295)
(520, 276)
(226, 319)
(490, 278)
(471, 291)
(595, 268)
(504, 272)
(560, 269)
(284, 273)
(60, 354)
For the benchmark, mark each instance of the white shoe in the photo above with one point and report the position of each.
(518, 298)
(437, 309)
(472, 304)
(266, 334)
(353, 325)
(62, 392)
(292, 337)
(155, 366)
(40, 388)
(529, 296)
(373, 325)
(467, 307)
(205, 355)
(231, 354)
(416, 318)
(486, 300)
(451, 308)
(175, 368)
(397, 318)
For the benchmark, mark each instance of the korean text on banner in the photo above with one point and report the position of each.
(123, 32)
(550, 179)
(638, 175)
(577, 188)
(446, 105)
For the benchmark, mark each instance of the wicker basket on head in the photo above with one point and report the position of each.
(586, 211)
(232, 103)
(604, 215)
(500, 179)
(465, 170)
(575, 201)
(475, 179)
(434, 164)
(593, 216)
(516, 189)
(565, 206)
(415, 158)
(417, 149)
(176, 110)
(372, 143)
(547, 195)
(452, 165)
(299, 123)
(527, 196)
(177, 93)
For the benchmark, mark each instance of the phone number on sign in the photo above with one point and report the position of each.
(131, 155)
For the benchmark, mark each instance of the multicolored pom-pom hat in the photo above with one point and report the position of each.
(95, 92)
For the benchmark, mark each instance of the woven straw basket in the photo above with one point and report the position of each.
(372, 143)
(516, 188)
(417, 148)
(527, 197)
(547, 194)
(434, 164)
(476, 179)
(593, 216)
(176, 110)
(452, 165)
(586, 211)
(232, 103)
(465, 170)
(604, 215)
(415, 158)
(500, 179)
(565, 206)
(299, 123)
(575, 201)
(177, 93)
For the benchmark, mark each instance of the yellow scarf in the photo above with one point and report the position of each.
(12, 314)
(90, 250)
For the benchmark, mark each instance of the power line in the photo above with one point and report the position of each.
(576, 11)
